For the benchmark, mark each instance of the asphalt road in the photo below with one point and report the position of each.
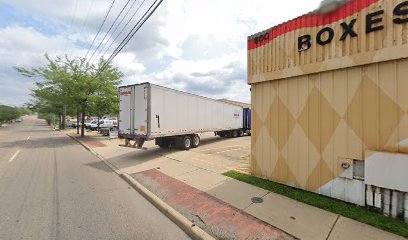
(52, 188)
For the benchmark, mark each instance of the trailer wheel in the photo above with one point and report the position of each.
(195, 141)
(186, 143)
(234, 134)
(240, 133)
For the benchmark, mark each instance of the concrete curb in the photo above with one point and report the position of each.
(186, 225)
(190, 228)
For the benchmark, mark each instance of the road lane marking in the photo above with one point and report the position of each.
(14, 156)
(28, 138)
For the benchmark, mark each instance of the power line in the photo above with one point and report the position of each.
(110, 28)
(117, 26)
(74, 10)
(134, 30)
(124, 27)
(100, 28)
(84, 24)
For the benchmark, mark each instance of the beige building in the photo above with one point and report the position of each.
(330, 103)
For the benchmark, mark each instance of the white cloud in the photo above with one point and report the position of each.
(197, 46)
(127, 63)
(23, 47)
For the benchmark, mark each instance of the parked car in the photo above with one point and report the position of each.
(104, 123)
(72, 124)
(19, 120)
(92, 122)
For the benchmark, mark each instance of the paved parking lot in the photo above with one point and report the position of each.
(215, 154)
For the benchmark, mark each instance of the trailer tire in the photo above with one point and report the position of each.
(240, 133)
(186, 143)
(234, 134)
(195, 141)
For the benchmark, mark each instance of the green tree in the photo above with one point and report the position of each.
(52, 86)
(95, 87)
(74, 85)
(7, 113)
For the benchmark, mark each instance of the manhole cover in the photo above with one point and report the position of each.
(257, 200)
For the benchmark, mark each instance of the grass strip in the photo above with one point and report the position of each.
(357, 213)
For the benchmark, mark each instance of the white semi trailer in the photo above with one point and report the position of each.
(174, 118)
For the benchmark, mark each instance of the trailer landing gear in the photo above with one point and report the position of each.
(138, 143)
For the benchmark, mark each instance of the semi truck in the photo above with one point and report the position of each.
(174, 118)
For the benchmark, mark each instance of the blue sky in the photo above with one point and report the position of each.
(195, 46)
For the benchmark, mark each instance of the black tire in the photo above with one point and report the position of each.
(186, 143)
(240, 133)
(195, 141)
(234, 134)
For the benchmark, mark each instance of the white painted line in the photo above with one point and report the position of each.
(28, 138)
(14, 156)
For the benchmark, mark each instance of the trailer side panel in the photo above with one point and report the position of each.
(178, 113)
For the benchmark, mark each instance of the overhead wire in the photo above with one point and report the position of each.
(100, 28)
(85, 22)
(110, 28)
(73, 15)
(115, 29)
(134, 30)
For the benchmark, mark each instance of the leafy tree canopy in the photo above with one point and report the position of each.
(67, 85)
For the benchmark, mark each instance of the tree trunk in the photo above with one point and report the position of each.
(60, 121)
(64, 114)
(77, 127)
(83, 122)
(98, 123)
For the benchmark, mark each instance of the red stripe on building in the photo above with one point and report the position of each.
(314, 20)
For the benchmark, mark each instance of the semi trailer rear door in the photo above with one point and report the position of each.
(140, 119)
(125, 110)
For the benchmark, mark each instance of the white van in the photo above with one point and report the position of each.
(104, 123)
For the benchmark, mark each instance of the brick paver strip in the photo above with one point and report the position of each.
(91, 142)
(218, 218)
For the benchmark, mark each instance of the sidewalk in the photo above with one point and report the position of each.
(165, 172)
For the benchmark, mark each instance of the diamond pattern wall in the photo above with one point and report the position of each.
(313, 121)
